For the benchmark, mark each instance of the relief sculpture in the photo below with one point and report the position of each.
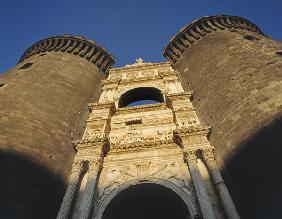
(165, 170)
(91, 135)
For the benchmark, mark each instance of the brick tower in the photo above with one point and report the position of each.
(145, 161)
(235, 72)
(42, 110)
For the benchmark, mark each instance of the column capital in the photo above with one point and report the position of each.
(191, 155)
(208, 154)
(77, 166)
(94, 164)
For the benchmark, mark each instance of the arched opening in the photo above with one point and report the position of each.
(141, 96)
(150, 201)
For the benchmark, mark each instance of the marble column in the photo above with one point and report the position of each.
(86, 202)
(225, 198)
(201, 193)
(77, 169)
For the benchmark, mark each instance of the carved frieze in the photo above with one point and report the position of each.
(186, 119)
(137, 140)
(92, 136)
(170, 170)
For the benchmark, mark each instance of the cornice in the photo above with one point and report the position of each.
(87, 49)
(199, 28)
(141, 108)
(144, 146)
(101, 105)
(193, 130)
(139, 67)
(180, 96)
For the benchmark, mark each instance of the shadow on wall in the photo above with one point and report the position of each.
(256, 174)
(28, 190)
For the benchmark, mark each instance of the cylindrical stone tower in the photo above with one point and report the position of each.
(43, 108)
(235, 73)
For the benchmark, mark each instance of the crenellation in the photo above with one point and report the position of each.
(197, 29)
(75, 45)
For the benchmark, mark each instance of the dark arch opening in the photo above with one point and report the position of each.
(140, 96)
(150, 201)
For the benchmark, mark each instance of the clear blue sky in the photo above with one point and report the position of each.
(128, 28)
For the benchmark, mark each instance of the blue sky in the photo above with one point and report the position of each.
(128, 28)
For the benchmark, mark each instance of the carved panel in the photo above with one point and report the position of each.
(92, 135)
(170, 170)
(137, 139)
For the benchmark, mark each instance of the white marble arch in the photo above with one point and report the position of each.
(102, 204)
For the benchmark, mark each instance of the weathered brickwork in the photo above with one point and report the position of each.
(43, 109)
(235, 74)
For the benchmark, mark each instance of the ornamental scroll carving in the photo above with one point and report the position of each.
(112, 177)
(133, 76)
(208, 154)
(92, 135)
(136, 135)
(187, 121)
(78, 166)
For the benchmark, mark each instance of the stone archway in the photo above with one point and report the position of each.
(171, 195)
(140, 94)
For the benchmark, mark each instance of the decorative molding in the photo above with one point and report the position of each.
(186, 197)
(191, 155)
(78, 165)
(205, 153)
(208, 154)
(92, 136)
(170, 170)
(95, 164)
(192, 131)
(180, 96)
(108, 105)
(198, 29)
(143, 66)
(142, 146)
(141, 108)
(75, 45)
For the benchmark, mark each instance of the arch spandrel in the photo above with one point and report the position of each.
(139, 94)
(187, 197)
(156, 75)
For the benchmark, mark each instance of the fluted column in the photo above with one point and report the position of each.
(77, 169)
(201, 193)
(225, 198)
(85, 206)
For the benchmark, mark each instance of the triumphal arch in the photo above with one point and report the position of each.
(160, 146)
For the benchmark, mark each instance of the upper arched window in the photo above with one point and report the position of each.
(141, 96)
